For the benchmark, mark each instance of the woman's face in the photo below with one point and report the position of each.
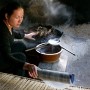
(16, 18)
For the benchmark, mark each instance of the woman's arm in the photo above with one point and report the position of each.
(21, 34)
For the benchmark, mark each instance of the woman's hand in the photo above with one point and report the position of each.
(32, 69)
(30, 35)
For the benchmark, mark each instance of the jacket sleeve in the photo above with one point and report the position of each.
(6, 51)
(18, 34)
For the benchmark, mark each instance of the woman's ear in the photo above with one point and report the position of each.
(6, 16)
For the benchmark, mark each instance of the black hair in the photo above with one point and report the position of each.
(9, 8)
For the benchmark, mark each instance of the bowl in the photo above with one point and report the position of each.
(48, 52)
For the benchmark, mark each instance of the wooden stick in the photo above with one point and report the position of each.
(41, 45)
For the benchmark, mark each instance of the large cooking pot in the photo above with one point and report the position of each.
(48, 52)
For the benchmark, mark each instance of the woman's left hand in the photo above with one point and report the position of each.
(32, 69)
(30, 35)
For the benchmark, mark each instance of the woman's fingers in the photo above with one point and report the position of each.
(33, 71)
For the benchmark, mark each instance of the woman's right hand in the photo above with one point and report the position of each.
(32, 69)
(30, 35)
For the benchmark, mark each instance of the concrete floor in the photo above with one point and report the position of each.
(76, 40)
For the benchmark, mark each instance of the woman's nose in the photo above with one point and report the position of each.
(20, 20)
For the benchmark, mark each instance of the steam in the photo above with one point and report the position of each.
(52, 7)
(57, 13)
(48, 12)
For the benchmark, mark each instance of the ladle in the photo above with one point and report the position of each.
(51, 41)
(56, 42)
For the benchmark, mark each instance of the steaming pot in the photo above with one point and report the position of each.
(48, 52)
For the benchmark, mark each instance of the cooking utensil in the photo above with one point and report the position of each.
(57, 42)
(51, 41)
(41, 45)
(51, 75)
(49, 53)
(68, 51)
(54, 41)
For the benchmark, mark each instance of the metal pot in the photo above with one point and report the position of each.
(48, 52)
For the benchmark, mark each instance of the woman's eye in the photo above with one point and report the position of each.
(19, 17)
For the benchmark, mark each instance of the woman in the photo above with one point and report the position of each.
(11, 17)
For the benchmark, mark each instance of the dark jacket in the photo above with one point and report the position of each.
(6, 41)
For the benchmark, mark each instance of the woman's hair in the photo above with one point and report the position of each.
(9, 8)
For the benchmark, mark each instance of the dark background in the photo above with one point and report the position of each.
(82, 7)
